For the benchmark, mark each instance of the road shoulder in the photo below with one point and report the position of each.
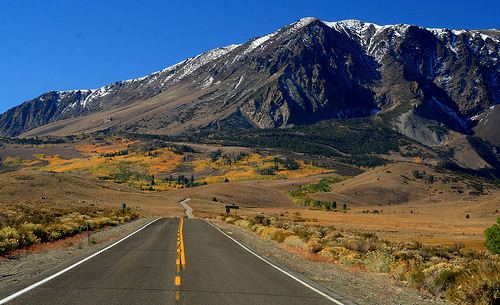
(26, 264)
(361, 287)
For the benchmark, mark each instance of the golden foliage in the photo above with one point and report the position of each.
(114, 156)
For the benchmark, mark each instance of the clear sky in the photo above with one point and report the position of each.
(86, 44)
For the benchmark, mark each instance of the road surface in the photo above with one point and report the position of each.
(145, 269)
(189, 210)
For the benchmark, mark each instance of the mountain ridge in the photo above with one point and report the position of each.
(303, 73)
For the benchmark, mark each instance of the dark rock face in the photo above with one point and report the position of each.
(422, 81)
(320, 74)
(40, 111)
(486, 125)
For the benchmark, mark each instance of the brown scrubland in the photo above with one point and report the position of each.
(422, 224)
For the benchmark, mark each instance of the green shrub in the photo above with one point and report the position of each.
(30, 225)
(358, 244)
(352, 259)
(28, 239)
(492, 234)
(261, 219)
(314, 247)
(280, 235)
(417, 278)
(8, 244)
(243, 223)
(441, 277)
(231, 219)
(379, 262)
(36, 229)
(334, 252)
(9, 233)
(9, 239)
(294, 241)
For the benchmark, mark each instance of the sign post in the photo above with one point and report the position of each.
(124, 206)
(88, 235)
(229, 207)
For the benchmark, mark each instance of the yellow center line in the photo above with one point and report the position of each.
(181, 259)
(183, 253)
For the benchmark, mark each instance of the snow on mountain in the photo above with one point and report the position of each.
(352, 26)
(362, 32)
(189, 66)
(308, 71)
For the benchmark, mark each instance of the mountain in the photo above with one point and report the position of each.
(486, 125)
(423, 82)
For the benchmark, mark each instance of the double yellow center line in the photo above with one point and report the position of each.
(181, 258)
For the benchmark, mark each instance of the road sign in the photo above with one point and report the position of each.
(229, 207)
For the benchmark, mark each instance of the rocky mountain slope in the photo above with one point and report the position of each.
(425, 82)
(486, 125)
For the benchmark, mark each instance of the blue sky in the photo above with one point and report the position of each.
(71, 44)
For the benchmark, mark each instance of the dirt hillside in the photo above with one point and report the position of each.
(402, 201)
(41, 189)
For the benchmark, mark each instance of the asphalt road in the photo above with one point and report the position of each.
(144, 269)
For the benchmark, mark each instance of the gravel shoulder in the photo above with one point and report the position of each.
(360, 287)
(28, 263)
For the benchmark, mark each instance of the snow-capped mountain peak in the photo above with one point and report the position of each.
(305, 72)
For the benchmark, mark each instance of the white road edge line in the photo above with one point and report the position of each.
(29, 288)
(278, 268)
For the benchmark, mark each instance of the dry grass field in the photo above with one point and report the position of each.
(400, 201)
(386, 201)
(66, 191)
(419, 224)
